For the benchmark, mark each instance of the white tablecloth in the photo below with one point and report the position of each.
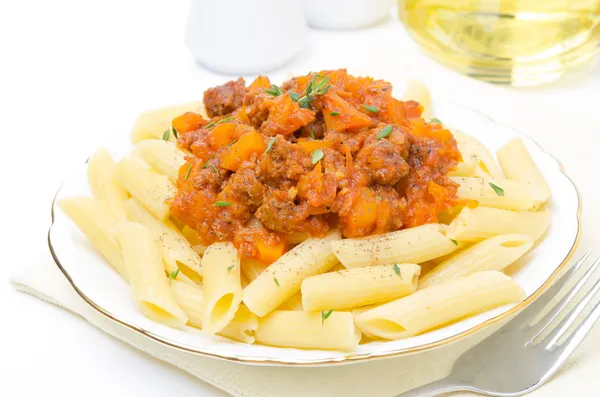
(74, 75)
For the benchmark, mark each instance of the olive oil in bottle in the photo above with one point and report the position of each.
(517, 42)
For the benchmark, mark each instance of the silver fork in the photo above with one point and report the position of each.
(511, 362)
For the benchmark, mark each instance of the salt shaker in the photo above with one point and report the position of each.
(245, 36)
(345, 14)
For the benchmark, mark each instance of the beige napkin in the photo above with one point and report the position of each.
(569, 136)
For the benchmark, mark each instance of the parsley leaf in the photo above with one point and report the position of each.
(325, 315)
(372, 109)
(222, 203)
(174, 274)
(385, 131)
(499, 191)
(274, 90)
(270, 145)
(397, 270)
(317, 156)
(187, 174)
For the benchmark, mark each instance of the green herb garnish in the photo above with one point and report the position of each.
(499, 191)
(372, 109)
(314, 89)
(325, 315)
(454, 241)
(229, 268)
(435, 120)
(175, 133)
(216, 123)
(214, 169)
(231, 143)
(312, 133)
(187, 174)
(334, 113)
(317, 155)
(295, 97)
(274, 90)
(174, 274)
(207, 161)
(385, 131)
(276, 281)
(166, 135)
(270, 145)
(397, 270)
(222, 203)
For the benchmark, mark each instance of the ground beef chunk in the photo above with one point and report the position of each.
(383, 161)
(247, 187)
(224, 99)
(280, 213)
(284, 163)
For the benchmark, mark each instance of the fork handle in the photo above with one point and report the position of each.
(444, 385)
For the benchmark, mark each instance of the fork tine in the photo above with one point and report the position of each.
(541, 325)
(566, 323)
(536, 307)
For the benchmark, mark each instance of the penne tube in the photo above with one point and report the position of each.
(417, 91)
(294, 303)
(498, 193)
(518, 165)
(365, 334)
(146, 185)
(192, 237)
(476, 155)
(153, 124)
(283, 278)
(415, 245)
(297, 237)
(252, 268)
(191, 300)
(101, 169)
(362, 286)
(495, 253)
(177, 254)
(222, 286)
(464, 169)
(99, 226)
(308, 330)
(149, 283)
(162, 156)
(439, 305)
(483, 222)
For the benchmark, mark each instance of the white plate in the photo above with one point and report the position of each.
(100, 286)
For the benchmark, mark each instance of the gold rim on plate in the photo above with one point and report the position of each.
(351, 358)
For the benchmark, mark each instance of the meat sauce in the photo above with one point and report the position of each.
(325, 150)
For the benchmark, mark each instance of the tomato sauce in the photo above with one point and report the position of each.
(325, 150)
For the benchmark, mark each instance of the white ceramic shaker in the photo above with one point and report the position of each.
(345, 14)
(245, 36)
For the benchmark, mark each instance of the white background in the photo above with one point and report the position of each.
(74, 75)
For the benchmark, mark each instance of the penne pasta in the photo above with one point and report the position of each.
(480, 223)
(348, 289)
(146, 185)
(308, 330)
(495, 253)
(439, 305)
(498, 193)
(294, 303)
(99, 226)
(192, 237)
(149, 284)
(415, 245)
(518, 165)
(153, 124)
(283, 278)
(417, 91)
(464, 169)
(162, 156)
(476, 155)
(191, 299)
(252, 268)
(222, 286)
(101, 170)
(177, 254)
